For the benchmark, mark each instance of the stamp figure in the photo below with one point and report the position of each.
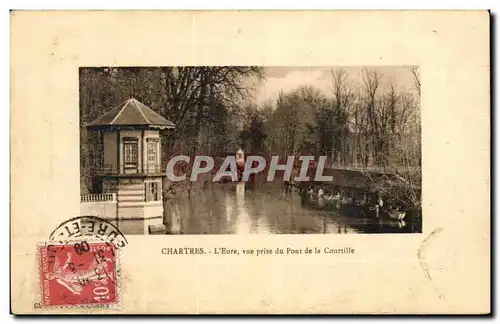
(79, 274)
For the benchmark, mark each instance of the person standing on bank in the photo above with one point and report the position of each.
(378, 206)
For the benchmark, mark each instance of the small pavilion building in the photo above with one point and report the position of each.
(132, 173)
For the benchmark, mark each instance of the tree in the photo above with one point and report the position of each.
(343, 99)
(415, 71)
(199, 100)
(292, 123)
(371, 83)
(254, 133)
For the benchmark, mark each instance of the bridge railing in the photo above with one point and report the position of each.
(101, 197)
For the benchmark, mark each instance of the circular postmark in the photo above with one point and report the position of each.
(85, 228)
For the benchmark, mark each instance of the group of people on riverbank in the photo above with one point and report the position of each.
(322, 197)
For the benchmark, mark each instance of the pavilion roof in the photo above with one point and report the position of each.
(131, 113)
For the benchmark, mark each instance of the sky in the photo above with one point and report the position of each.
(290, 78)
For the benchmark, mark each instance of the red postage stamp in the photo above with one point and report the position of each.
(79, 274)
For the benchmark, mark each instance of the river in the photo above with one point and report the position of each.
(268, 209)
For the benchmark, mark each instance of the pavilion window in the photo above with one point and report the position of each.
(152, 191)
(152, 155)
(131, 154)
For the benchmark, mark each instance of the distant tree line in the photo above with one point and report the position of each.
(359, 125)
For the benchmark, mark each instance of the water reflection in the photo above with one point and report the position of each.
(240, 209)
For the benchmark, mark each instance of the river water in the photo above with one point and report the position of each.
(265, 209)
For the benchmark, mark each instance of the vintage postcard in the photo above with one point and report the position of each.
(250, 162)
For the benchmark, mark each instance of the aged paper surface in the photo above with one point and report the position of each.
(443, 269)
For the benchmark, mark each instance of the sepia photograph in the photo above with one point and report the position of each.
(251, 149)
